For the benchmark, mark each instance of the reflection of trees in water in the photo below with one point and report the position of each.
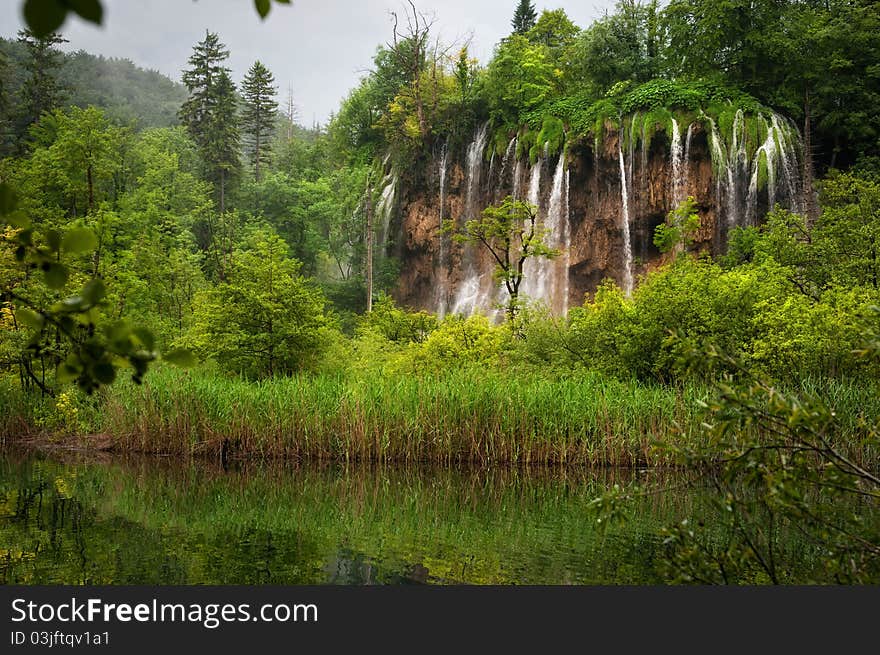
(154, 521)
(349, 567)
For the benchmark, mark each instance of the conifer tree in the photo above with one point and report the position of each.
(525, 17)
(210, 113)
(258, 117)
(41, 91)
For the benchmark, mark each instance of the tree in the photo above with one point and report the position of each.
(41, 91)
(520, 78)
(622, 46)
(511, 234)
(267, 320)
(210, 115)
(680, 227)
(408, 51)
(554, 29)
(258, 116)
(524, 17)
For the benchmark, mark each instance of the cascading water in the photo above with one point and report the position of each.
(443, 251)
(468, 293)
(385, 206)
(532, 273)
(624, 219)
(748, 175)
(788, 162)
(675, 156)
(766, 155)
(554, 273)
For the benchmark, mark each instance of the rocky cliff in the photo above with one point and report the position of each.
(600, 200)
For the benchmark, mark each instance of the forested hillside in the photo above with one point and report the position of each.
(127, 93)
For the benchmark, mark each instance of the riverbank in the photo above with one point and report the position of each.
(462, 416)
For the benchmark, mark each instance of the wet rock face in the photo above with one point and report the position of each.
(433, 268)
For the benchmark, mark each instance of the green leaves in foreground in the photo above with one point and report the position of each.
(46, 16)
(94, 350)
(263, 7)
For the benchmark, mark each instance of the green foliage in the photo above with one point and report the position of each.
(679, 229)
(397, 325)
(258, 115)
(774, 461)
(210, 113)
(266, 320)
(524, 17)
(520, 79)
(46, 16)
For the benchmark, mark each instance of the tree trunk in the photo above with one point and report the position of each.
(91, 189)
(257, 156)
(222, 191)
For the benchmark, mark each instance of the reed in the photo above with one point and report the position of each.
(460, 416)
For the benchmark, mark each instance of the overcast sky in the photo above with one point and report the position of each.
(320, 48)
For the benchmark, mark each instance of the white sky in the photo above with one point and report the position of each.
(320, 48)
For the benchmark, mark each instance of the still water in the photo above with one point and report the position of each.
(82, 520)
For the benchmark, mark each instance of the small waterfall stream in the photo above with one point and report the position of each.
(467, 296)
(443, 250)
(624, 219)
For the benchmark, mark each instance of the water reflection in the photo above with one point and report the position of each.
(161, 521)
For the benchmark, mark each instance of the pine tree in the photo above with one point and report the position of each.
(258, 117)
(41, 91)
(524, 18)
(210, 113)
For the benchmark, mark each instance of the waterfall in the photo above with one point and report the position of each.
(385, 206)
(675, 156)
(443, 251)
(788, 161)
(505, 169)
(558, 237)
(768, 150)
(624, 218)
(532, 285)
(517, 179)
(467, 295)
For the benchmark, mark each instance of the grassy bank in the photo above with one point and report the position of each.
(461, 416)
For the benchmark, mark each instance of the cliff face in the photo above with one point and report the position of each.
(583, 204)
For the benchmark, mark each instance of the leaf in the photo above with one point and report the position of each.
(8, 199)
(180, 357)
(53, 240)
(145, 337)
(104, 372)
(79, 239)
(90, 10)
(56, 275)
(29, 318)
(263, 7)
(69, 369)
(94, 291)
(44, 16)
(18, 219)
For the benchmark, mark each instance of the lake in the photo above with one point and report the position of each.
(84, 519)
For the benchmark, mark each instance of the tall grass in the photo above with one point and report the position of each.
(461, 416)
